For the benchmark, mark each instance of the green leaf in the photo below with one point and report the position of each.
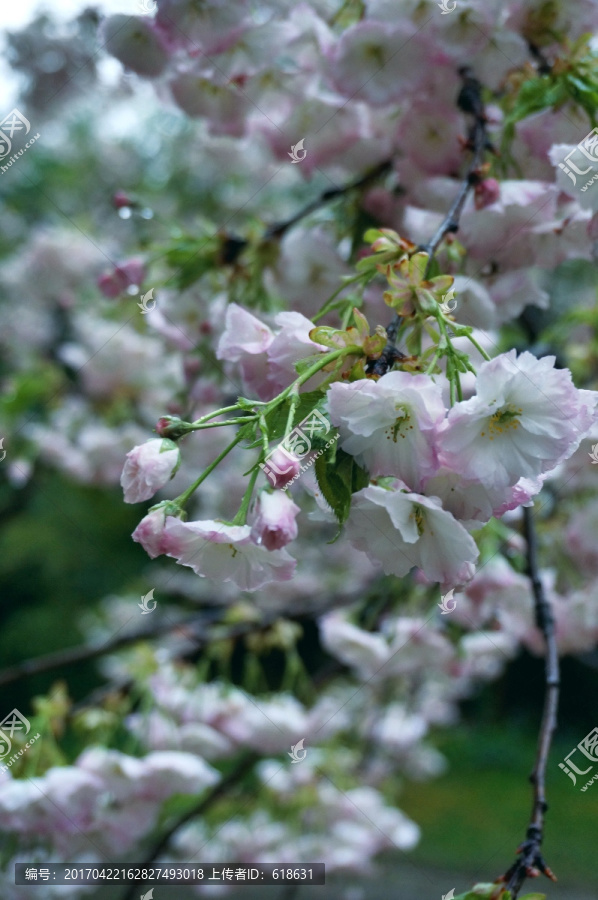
(338, 477)
(277, 419)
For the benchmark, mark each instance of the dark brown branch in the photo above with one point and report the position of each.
(530, 861)
(241, 769)
(278, 229)
(194, 627)
(469, 101)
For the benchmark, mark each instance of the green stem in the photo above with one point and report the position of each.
(241, 421)
(291, 415)
(217, 412)
(241, 517)
(477, 346)
(313, 370)
(182, 498)
(432, 365)
(327, 306)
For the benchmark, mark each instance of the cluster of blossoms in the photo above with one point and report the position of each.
(434, 473)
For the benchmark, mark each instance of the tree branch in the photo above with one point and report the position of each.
(469, 101)
(244, 766)
(278, 229)
(530, 862)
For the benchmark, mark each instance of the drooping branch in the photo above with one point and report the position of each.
(530, 861)
(243, 767)
(469, 101)
(195, 627)
(278, 229)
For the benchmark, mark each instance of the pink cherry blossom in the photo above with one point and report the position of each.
(149, 467)
(274, 525)
(137, 43)
(525, 418)
(291, 343)
(150, 533)
(403, 530)
(244, 341)
(225, 553)
(390, 426)
(486, 193)
(114, 283)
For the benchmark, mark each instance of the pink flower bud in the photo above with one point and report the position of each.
(149, 467)
(120, 200)
(486, 193)
(280, 468)
(274, 526)
(150, 533)
(113, 284)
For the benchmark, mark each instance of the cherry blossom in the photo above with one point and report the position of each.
(525, 418)
(148, 468)
(403, 530)
(225, 553)
(390, 425)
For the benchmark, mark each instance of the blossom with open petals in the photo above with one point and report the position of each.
(526, 417)
(403, 530)
(225, 553)
(390, 425)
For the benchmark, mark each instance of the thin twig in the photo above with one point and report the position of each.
(530, 861)
(470, 102)
(278, 229)
(241, 769)
(193, 626)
